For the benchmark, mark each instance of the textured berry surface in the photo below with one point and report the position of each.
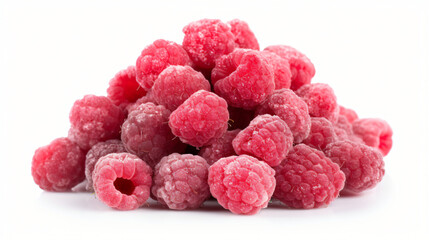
(58, 166)
(350, 114)
(243, 36)
(180, 181)
(282, 74)
(220, 148)
(145, 99)
(344, 131)
(321, 134)
(201, 119)
(267, 138)
(375, 133)
(308, 179)
(239, 118)
(242, 184)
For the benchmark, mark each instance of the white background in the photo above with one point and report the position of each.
(375, 54)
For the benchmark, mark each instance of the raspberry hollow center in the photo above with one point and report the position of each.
(125, 186)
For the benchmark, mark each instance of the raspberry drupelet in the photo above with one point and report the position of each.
(220, 148)
(374, 132)
(282, 74)
(243, 36)
(321, 134)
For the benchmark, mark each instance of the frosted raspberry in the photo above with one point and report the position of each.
(122, 181)
(94, 119)
(180, 181)
(201, 119)
(239, 118)
(242, 184)
(375, 133)
(267, 138)
(344, 131)
(145, 99)
(350, 114)
(300, 66)
(176, 83)
(362, 165)
(307, 179)
(282, 74)
(206, 40)
(244, 78)
(157, 57)
(58, 166)
(321, 134)
(146, 134)
(243, 36)
(220, 148)
(291, 109)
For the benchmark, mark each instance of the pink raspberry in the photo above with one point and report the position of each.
(362, 165)
(176, 83)
(122, 181)
(350, 114)
(321, 134)
(201, 119)
(375, 133)
(220, 148)
(180, 181)
(239, 118)
(344, 131)
(157, 57)
(58, 166)
(145, 99)
(242, 184)
(300, 66)
(206, 40)
(243, 36)
(267, 138)
(282, 74)
(291, 109)
(308, 179)
(94, 119)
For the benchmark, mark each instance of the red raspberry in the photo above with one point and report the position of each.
(308, 179)
(94, 119)
(291, 109)
(242, 184)
(157, 57)
(122, 181)
(146, 99)
(239, 118)
(267, 138)
(201, 119)
(220, 148)
(344, 131)
(206, 40)
(176, 83)
(350, 114)
(321, 134)
(362, 165)
(282, 74)
(243, 36)
(180, 181)
(300, 66)
(58, 166)
(375, 133)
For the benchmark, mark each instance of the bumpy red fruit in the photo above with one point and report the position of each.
(350, 114)
(201, 119)
(239, 118)
(282, 73)
(344, 131)
(242, 184)
(220, 148)
(375, 133)
(243, 36)
(180, 181)
(122, 181)
(308, 179)
(321, 134)
(58, 166)
(145, 99)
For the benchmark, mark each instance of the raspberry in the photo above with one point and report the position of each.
(206, 40)
(307, 179)
(94, 119)
(375, 133)
(244, 78)
(239, 118)
(146, 134)
(350, 114)
(362, 165)
(220, 148)
(343, 130)
(267, 138)
(242, 184)
(157, 57)
(180, 181)
(201, 119)
(176, 83)
(122, 181)
(145, 99)
(321, 134)
(243, 36)
(300, 66)
(282, 74)
(58, 166)
(291, 109)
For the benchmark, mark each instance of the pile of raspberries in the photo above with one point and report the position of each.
(215, 117)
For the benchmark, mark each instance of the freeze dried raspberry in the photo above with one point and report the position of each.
(300, 66)
(350, 114)
(291, 109)
(244, 78)
(145, 99)
(157, 57)
(239, 118)
(206, 40)
(375, 133)
(176, 83)
(282, 74)
(58, 166)
(122, 181)
(242, 184)
(146, 134)
(243, 36)
(321, 100)
(321, 134)
(94, 119)
(180, 181)
(307, 179)
(267, 138)
(201, 119)
(362, 165)
(220, 148)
